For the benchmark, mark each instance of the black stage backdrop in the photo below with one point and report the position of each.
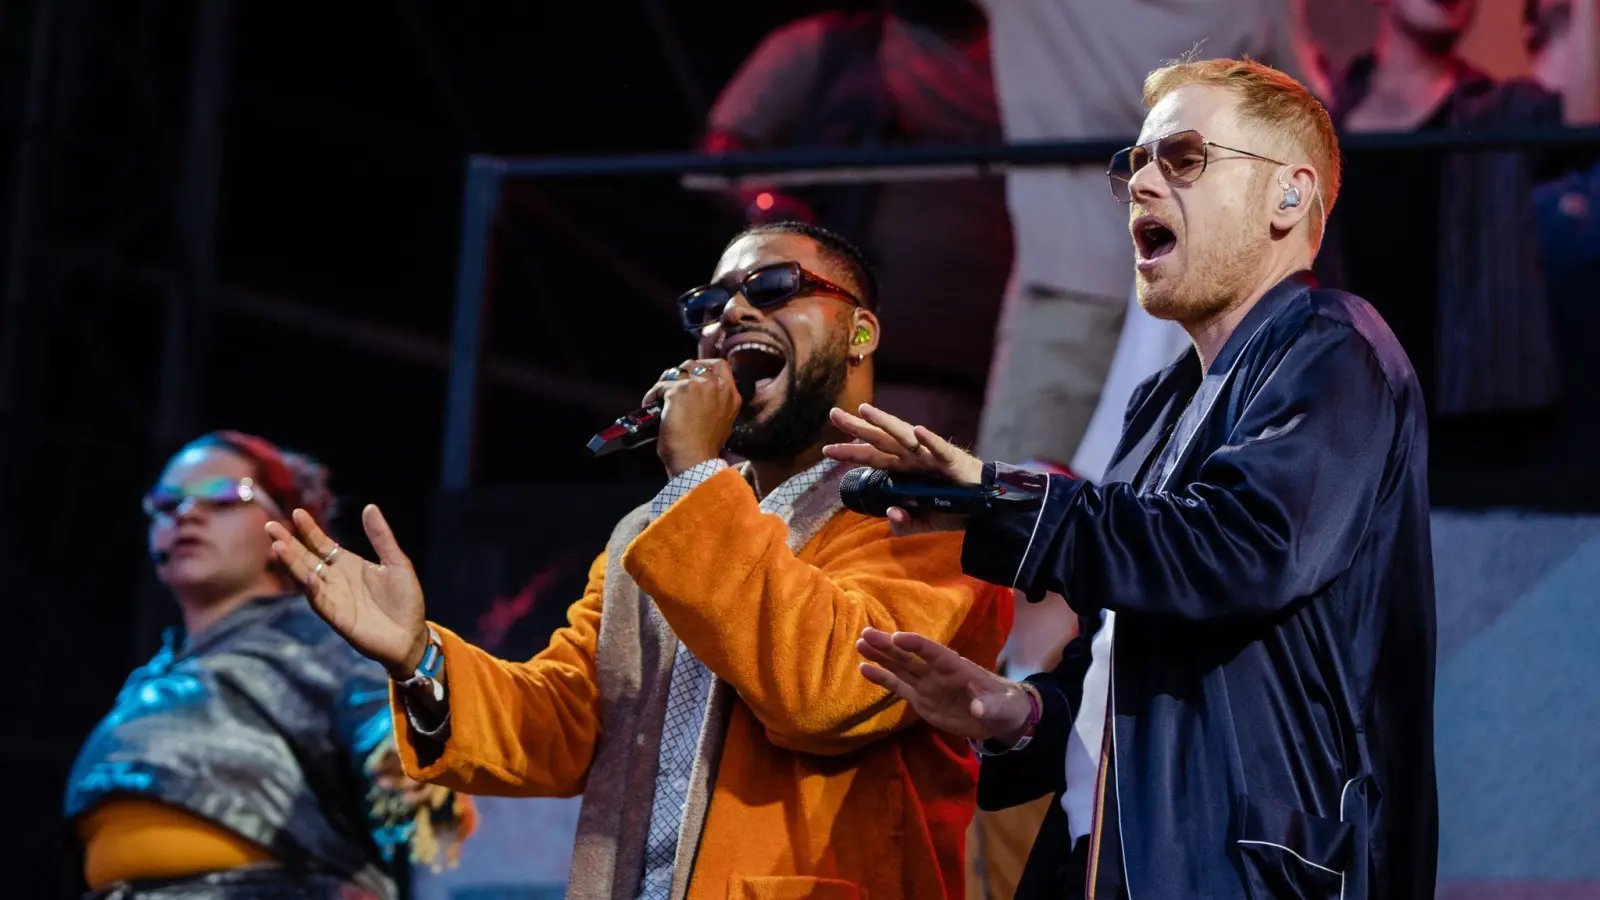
(506, 562)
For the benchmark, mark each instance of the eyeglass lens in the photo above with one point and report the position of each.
(166, 500)
(1181, 158)
(762, 288)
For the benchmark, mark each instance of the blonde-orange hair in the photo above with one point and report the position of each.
(1279, 107)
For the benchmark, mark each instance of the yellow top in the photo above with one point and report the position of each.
(129, 838)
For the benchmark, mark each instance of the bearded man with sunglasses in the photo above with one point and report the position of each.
(1248, 709)
(703, 697)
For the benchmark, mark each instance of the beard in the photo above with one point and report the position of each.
(1217, 274)
(795, 426)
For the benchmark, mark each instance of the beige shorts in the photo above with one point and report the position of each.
(1053, 349)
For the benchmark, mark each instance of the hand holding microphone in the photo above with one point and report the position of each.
(690, 411)
(644, 425)
(893, 444)
(699, 402)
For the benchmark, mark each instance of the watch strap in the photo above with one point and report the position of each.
(428, 672)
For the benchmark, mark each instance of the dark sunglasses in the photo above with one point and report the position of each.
(1182, 159)
(763, 288)
(215, 493)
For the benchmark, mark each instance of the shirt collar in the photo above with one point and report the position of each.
(784, 495)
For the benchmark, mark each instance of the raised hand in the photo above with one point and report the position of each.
(377, 607)
(948, 691)
(884, 441)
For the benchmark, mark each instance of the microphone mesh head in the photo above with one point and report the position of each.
(858, 491)
(850, 489)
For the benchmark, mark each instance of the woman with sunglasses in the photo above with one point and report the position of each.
(252, 757)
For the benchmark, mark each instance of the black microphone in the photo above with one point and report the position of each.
(872, 491)
(643, 425)
(160, 557)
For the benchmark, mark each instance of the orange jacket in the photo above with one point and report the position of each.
(828, 787)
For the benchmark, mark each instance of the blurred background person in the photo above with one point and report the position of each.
(1567, 207)
(1444, 244)
(253, 756)
(911, 73)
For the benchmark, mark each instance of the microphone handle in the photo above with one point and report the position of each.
(915, 495)
(635, 429)
(872, 492)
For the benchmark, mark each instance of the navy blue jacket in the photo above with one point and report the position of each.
(1273, 659)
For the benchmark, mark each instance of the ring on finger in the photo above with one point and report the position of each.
(318, 569)
(331, 554)
(699, 370)
(671, 375)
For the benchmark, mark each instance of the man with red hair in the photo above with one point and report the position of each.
(1247, 711)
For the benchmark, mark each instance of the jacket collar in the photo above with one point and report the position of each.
(1275, 299)
(1160, 402)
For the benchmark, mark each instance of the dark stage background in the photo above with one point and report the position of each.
(325, 143)
(218, 214)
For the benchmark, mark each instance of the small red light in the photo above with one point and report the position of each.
(764, 201)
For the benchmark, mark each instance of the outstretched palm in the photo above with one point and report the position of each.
(949, 691)
(377, 607)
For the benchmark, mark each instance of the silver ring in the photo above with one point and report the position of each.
(331, 554)
(318, 570)
(699, 370)
(671, 375)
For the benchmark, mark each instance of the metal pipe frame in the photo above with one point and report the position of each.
(485, 175)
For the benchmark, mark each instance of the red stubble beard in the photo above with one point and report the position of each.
(1200, 279)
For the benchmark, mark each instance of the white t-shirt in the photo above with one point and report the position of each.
(1068, 69)
(1088, 733)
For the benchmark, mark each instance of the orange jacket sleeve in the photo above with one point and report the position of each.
(516, 729)
(782, 631)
